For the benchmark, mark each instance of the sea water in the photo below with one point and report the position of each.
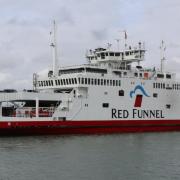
(144, 156)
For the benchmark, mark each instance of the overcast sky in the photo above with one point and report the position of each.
(82, 24)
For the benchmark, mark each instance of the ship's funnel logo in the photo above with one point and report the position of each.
(138, 100)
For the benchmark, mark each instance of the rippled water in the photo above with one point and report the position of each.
(104, 157)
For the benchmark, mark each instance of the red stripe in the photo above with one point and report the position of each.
(87, 127)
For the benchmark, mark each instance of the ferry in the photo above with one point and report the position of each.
(111, 93)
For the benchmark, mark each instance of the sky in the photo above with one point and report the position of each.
(25, 27)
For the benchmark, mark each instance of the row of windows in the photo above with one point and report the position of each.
(87, 81)
(104, 82)
(45, 83)
(168, 76)
(176, 86)
(159, 85)
(163, 86)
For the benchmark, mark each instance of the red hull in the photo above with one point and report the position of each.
(87, 127)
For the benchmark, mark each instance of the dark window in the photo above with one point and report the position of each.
(67, 82)
(89, 81)
(140, 74)
(127, 53)
(101, 81)
(154, 85)
(79, 80)
(168, 76)
(51, 82)
(111, 54)
(72, 81)
(104, 81)
(125, 73)
(85, 80)
(92, 81)
(108, 82)
(82, 80)
(95, 81)
(114, 83)
(121, 92)
(75, 80)
(155, 95)
(119, 83)
(105, 105)
(136, 74)
(56, 82)
(163, 85)
(117, 54)
(168, 106)
(98, 82)
(160, 75)
(64, 81)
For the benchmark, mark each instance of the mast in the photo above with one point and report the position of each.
(54, 49)
(162, 48)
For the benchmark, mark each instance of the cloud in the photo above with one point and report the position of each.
(100, 34)
(25, 27)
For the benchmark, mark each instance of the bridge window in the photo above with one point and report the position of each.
(85, 80)
(92, 81)
(67, 81)
(64, 81)
(117, 54)
(89, 81)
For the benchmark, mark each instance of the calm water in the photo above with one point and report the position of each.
(105, 157)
